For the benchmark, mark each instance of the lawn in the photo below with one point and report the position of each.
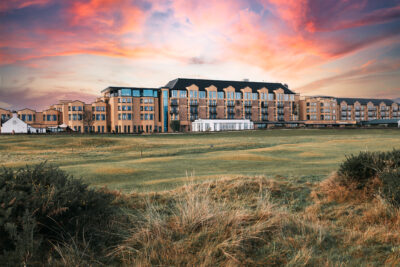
(160, 162)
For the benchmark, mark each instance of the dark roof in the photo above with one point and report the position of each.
(364, 101)
(113, 88)
(182, 83)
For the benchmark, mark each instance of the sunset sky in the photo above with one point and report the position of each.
(72, 49)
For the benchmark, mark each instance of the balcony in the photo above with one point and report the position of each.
(174, 102)
(194, 103)
(174, 111)
(212, 103)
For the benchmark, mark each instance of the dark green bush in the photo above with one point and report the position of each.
(42, 205)
(391, 186)
(385, 166)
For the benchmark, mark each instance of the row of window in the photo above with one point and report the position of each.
(136, 92)
(232, 95)
(142, 100)
(99, 117)
(128, 116)
(76, 108)
(99, 108)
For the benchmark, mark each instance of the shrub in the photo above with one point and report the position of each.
(41, 206)
(391, 186)
(360, 171)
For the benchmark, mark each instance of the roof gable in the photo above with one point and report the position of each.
(182, 83)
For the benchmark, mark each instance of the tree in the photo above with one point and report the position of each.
(175, 125)
(88, 119)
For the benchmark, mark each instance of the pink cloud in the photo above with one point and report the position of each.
(8, 5)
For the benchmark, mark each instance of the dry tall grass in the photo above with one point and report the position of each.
(199, 230)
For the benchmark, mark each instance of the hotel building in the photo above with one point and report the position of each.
(181, 102)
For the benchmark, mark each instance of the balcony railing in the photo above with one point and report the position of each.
(212, 103)
(247, 103)
(174, 102)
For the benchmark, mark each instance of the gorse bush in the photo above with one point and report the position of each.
(361, 169)
(41, 206)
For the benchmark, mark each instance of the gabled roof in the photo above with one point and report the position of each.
(182, 83)
(365, 101)
(26, 109)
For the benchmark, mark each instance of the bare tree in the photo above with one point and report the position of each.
(88, 119)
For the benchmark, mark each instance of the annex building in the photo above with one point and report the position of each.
(196, 104)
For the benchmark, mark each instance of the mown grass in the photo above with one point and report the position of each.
(162, 162)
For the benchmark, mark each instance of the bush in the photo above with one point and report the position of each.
(41, 206)
(391, 186)
(361, 169)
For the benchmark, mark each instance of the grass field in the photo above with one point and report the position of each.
(160, 162)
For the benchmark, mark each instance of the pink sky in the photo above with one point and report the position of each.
(72, 49)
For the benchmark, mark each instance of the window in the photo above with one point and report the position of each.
(129, 116)
(123, 100)
(119, 116)
(48, 117)
(54, 117)
(136, 93)
(238, 95)
(124, 116)
(151, 116)
(119, 108)
(174, 93)
(255, 96)
(270, 97)
(230, 95)
(147, 92)
(212, 95)
(69, 117)
(146, 117)
(125, 92)
(129, 100)
(220, 95)
(79, 117)
(97, 117)
(286, 97)
(103, 117)
(155, 94)
(182, 93)
(74, 117)
(202, 94)
(193, 93)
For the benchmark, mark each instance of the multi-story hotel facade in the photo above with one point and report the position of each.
(181, 102)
